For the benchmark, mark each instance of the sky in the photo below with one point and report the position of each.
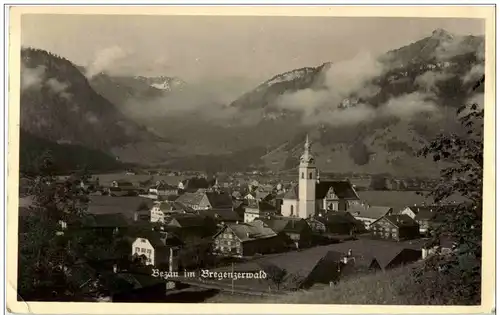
(197, 48)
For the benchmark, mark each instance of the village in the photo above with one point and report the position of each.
(301, 234)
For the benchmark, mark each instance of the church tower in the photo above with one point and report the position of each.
(307, 183)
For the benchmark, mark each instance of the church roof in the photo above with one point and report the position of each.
(293, 193)
(343, 189)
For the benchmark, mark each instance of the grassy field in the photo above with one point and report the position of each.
(393, 287)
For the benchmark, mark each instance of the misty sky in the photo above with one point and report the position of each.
(246, 48)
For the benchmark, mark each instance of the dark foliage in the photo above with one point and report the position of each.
(359, 153)
(67, 157)
(464, 222)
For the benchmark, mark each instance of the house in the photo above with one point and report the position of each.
(162, 209)
(339, 222)
(195, 183)
(443, 246)
(192, 227)
(316, 226)
(106, 224)
(206, 200)
(258, 209)
(246, 239)
(157, 250)
(126, 205)
(295, 231)
(163, 189)
(369, 214)
(122, 184)
(427, 216)
(396, 227)
(393, 257)
(327, 270)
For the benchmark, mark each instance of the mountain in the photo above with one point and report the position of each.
(163, 83)
(59, 104)
(120, 90)
(374, 124)
(67, 157)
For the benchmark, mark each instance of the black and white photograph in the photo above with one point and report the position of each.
(253, 158)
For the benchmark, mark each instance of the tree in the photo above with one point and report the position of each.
(378, 182)
(275, 274)
(48, 253)
(463, 223)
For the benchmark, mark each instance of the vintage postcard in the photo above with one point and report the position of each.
(251, 160)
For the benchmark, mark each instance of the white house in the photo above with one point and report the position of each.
(156, 251)
(142, 246)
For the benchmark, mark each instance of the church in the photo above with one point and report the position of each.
(313, 195)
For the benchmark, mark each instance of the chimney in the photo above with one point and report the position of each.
(349, 253)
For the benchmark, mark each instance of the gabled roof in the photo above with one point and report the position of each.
(292, 193)
(260, 205)
(371, 212)
(188, 220)
(190, 198)
(399, 220)
(125, 205)
(388, 256)
(219, 199)
(251, 231)
(343, 189)
(285, 224)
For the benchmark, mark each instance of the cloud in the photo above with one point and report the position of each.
(32, 78)
(207, 98)
(104, 60)
(407, 105)
(475, 73)
(429, 79)
(58, 87)
(344, 83)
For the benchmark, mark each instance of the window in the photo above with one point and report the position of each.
(143, 240)
(310, 175)
(143, 250)
(302, 175)
(291, 210)
(148, 251)
(137, 249)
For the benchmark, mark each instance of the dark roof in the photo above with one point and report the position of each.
(429, 215)
(343, 189)
(219, 199)
(190, 198)
(121, 182)
(106, 220)
(399, 220)
(260, 205)
(125, 205)
(292, 193)
(188, 220)
(221, 215)
(337, 217)
(285, 224)
(250, 231)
